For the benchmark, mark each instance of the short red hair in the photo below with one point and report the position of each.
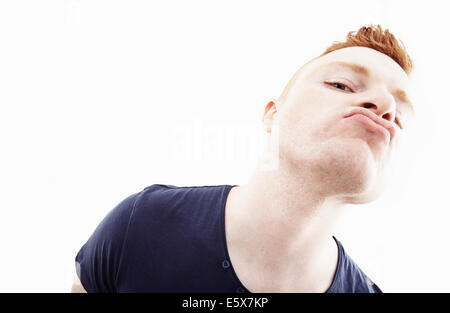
(382, 41)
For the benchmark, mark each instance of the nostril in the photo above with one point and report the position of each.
(369, 105)
(388, 116)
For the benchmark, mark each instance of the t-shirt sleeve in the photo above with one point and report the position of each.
(98, 260)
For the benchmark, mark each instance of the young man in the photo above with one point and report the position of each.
(332, 131)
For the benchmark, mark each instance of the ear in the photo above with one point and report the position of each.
(270, 116)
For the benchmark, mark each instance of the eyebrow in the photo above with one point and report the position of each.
(362, 70)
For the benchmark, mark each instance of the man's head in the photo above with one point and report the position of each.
(366, 77)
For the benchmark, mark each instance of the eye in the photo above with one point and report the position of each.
(340, 86)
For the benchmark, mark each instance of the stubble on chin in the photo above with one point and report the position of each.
(344, 167)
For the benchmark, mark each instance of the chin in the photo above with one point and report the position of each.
(350, 169)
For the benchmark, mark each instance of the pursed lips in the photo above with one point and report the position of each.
(378, 120)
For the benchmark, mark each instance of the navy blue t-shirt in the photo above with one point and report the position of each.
(171, 239)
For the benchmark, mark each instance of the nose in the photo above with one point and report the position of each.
(381, 102)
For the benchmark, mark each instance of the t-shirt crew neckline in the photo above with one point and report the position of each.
(225, 246)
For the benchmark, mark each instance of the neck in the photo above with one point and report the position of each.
(288, 221)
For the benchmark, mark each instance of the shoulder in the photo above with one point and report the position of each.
(171, 227)
(99, 259)
(162, 201)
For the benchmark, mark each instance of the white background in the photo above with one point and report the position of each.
(100, 99)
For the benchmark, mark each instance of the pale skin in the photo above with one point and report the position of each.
(279, 225)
